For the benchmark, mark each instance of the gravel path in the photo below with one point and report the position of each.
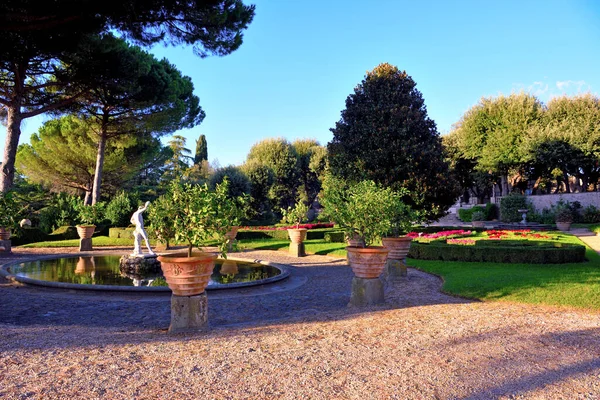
(294, 339)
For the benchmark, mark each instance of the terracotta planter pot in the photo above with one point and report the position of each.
(297, 235)
(187, 276)
(84, 265)
(563, 226)
(85, 231)
(356, 241)
(367, 262)
(4, 233)
(398, 247)
(232, 233)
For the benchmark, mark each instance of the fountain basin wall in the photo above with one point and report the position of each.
(11, 271)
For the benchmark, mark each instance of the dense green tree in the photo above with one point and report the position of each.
(132, 94)
(280, 156)
(385, 135)
(201, 150)
(493, 134)
(310, 165)
(39, 36)
(179, 163)
(239, 184)
(261, 179)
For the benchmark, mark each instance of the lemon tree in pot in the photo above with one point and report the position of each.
(296, 216)
(402, 216)
(361, 209)
(198, 215)
(564, 218)
(88, 217)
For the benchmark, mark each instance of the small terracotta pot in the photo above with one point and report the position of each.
(232, 233)
(398, 247)
(4, 233)
(187, 276)
(563, 226)
(297, 235)
(367, 262)
(85, 231)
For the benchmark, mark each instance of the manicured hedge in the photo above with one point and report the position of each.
(505, 251)
(117, 233)
(335, 237)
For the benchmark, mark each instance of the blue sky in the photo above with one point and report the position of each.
(301, 59)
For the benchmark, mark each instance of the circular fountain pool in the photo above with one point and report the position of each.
(104, 273)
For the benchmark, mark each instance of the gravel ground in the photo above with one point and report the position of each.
(294, 339)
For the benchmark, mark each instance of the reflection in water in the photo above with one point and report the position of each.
(104, 270)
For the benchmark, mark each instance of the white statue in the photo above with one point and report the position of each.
(138, 220)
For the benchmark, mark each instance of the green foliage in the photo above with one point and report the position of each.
(62, 210)
(261, 179)
(198, 214)
(504, 251)
(478, 216)
(564, 215)
(120, 208)
(591, 215)
(311, 165)
(278, 234)
(364, 209)
(295, 215)
(239, 184)
(466, 214)
(281, 158)
(160, 215)
(385, 135)
(201, 150)
(335, 237)
(117, 233)
(9, 210)
(509, 206)
(91, 215)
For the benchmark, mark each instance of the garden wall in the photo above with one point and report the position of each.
(547, 200)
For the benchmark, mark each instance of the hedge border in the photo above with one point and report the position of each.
(551, 253)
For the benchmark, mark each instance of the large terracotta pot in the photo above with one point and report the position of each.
(297, 235)
(232, 233)
(4, 233)
(229, 267)
(398, 247)
(356, 241)
(85, 231)
(187, 276)
(367, 262)
(84, 265)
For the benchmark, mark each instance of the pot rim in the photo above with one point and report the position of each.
(182, 257)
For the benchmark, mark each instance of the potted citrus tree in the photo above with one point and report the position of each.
(478, 219)
(88, 216)
(8, 215)
(402, 217)
(198, 215)
(564, 219)
(363, 209)
(295, 216)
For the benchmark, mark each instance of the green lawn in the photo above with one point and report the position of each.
(575, 285)
(314, 246)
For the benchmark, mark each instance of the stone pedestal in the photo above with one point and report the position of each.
(366, 292)
(189, 313)
(85, 244)
(395, 269)
(5, 246)
(139, 264)
(297, 250)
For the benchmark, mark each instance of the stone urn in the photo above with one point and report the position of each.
(187, 276)
(367, 262)
(4, 233)
(398, 247)
(85, 231)
(297, 235)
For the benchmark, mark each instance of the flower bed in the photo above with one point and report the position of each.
(283, 228)
(429, 237)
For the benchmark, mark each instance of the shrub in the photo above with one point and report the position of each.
(117, 233)
(505, 251)
(334, 237)
(478, 216)
(510, 206)
(120, 209)
(466, 214)
(564, 215)
(491, 211)
(591, 215)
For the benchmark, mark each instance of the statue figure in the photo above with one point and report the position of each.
(138, 220)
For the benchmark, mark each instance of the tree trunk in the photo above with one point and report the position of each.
(100, 161)
(13, 132)
(88, 198)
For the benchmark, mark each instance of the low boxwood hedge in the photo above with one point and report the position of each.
(334, 237)
(118, 233)
(278, 234)
(504, 251)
